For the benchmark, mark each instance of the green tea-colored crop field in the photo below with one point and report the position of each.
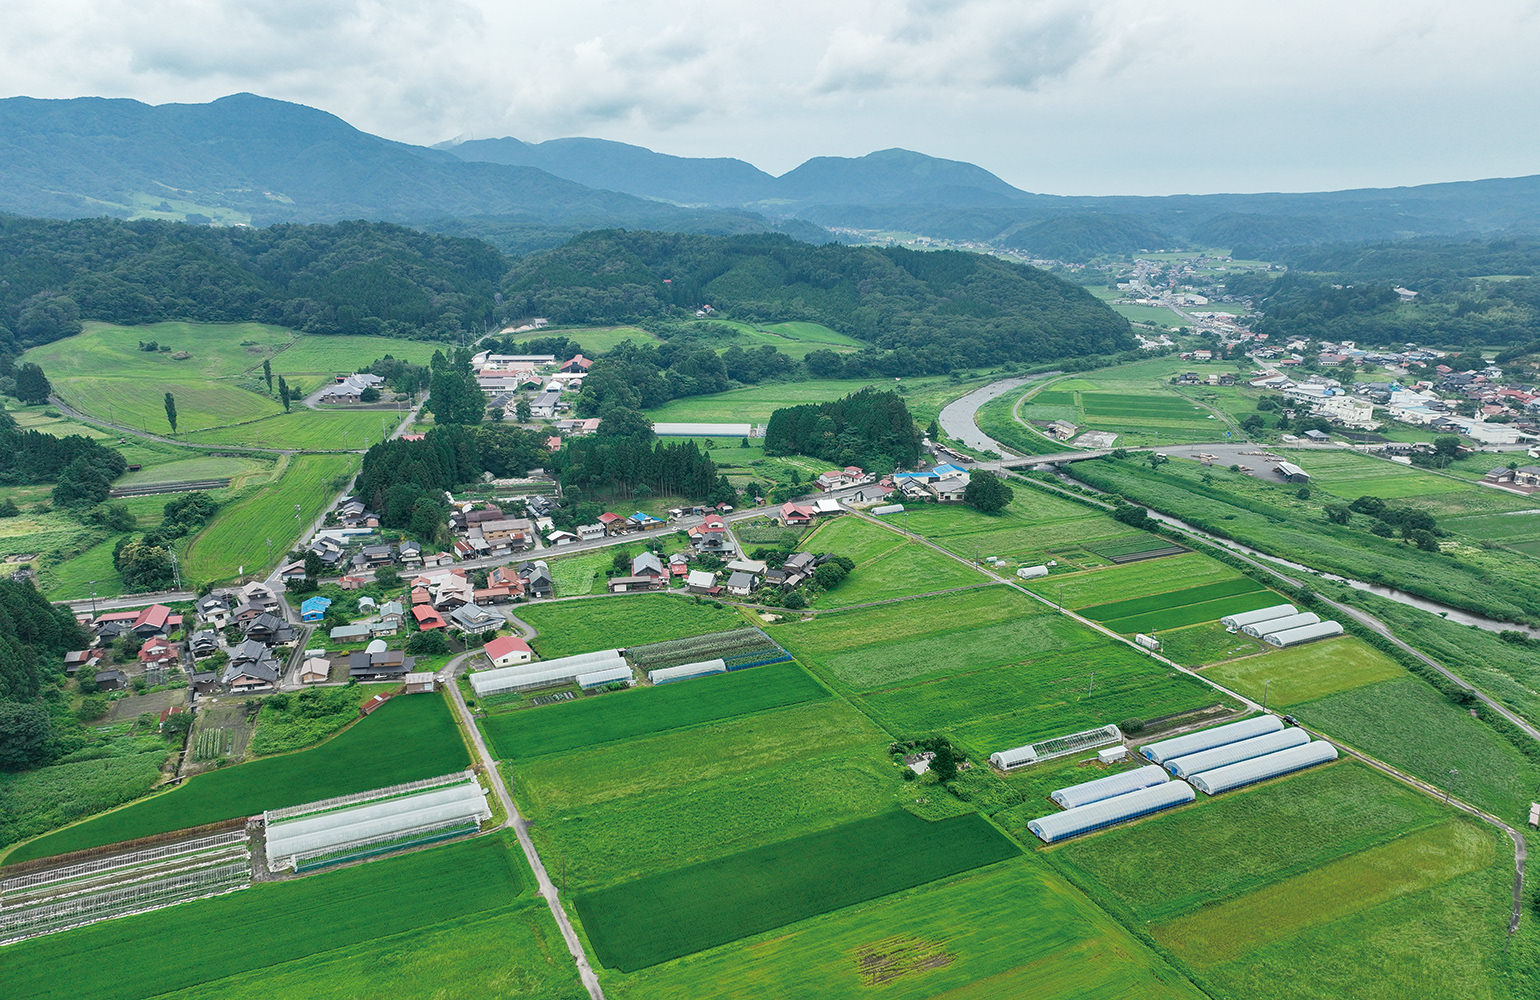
(1305, 673)
(140, 402)
(239, 536)
(356, 906)
(1135, 579)
(1171, 599)
(217, 350)
(621, 620)
(641, 711)
(888, 565)
(651, 920)
(339, 354)
(366, 756)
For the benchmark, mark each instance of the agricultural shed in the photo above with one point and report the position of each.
(1247, 772)
(609, 675)
(1234, 753)
(1056, 746)
(686, 671)
(1122, 783)
(1245, 618)
(1008, 760)
(1207, 739)
(1258, 629)
(1031, 572)
(339, 834)
(1304, 633)
(1109, 812)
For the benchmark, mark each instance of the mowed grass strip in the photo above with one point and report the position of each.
(1240, 841)
(654, 919)
(140, 402)
(1192, 614)
(621, 621)
(1171, 599)
(1418, 861)
(406, 739)
(283, 921)
(1304, 673)
(641, 711)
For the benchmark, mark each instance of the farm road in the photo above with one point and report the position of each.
(520, 829)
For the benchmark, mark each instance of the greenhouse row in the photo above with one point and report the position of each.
(1057, 746)
(1305, 633)
(1207, 739)
(541, 673)
(1258, 629)
(398, 821)
(605, 677)
(1113, 785)
(1273, 765)
(686, 671)
(1234, 753)
(1109, 812)
(1245, 618)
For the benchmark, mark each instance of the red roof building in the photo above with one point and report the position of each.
(427, 618)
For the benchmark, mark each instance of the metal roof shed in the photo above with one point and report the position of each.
(1234, 753)
(1304, 633)
(1273, 765)
(1258, 629)
(1207, 739)
(1122, 783)
(1245, 618)
(1109, 812)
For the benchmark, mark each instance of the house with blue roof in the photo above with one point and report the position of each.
(313, 609)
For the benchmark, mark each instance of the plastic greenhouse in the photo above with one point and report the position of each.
(1109, 812)
(1247, 772)
(1265, 614)
(1207, 739)
(1257, 629)
(540, 672)
(341, 833)
(685, 671)
(1304, 633)
(1234, 753)
(1114, 784)
(609, 675)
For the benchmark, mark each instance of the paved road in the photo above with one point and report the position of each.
(521, 830)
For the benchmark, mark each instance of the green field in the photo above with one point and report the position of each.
(306, 430)
(888, 565)
(999, 933)
(1197, 645)
(651, 920)
(997, 418)
(360, 758)
(204, 467)
(1193, 614)
(1135, 401)
(595, 340)
(218, 350)
(1037, 526)
(642, 711)
(1407, 724)
(925, 396)
(620, 621)
(1136, 579)
(1305, 673)
(138, 402)
(339, 354)
(1171, 599)
(312, 925)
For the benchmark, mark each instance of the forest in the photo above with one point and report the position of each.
(871, 428)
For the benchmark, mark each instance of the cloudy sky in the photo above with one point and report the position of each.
(1058, 96)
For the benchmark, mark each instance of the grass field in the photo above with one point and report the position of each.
(239, 535)
(1006, 931)
(139, 402)
(1171, 599)
(1517, 531)
(337, 354)
(575, 576)
(651, 920)
(642, 711)
(622, 620)
(363, 757)
(1197, 645)
(1135, 579)
(1407, 724)
(218, 350)
(203, 467)
(1037, 526)
(1134, 401)
(310, 922)
(595, 340)
(925, 396)
(1305, 673)
(306, 430)
(1193, 614)
(888, 565)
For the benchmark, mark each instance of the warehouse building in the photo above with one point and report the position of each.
(1207, 739)
(1109, 812)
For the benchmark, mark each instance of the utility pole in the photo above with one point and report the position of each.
(1264, 693)
(176, 571)
(93, 598)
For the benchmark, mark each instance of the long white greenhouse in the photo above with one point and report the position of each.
(1207, 739)
(1110, 812)
(1248, 772)
(1257, 629)
(685, 671)
(341, 834)
(1245, 618)
(1234, 753)
(542, 672)
(1304, 633)
(1122, 783)
(609, 675)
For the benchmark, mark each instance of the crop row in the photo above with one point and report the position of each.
(726, 645)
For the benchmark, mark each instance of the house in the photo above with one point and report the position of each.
(741, 584)
(154, 620)
(645, 522)
(797, 514)
(352, 582)
(800, 563)
(627, 584)
(258, 594)
(420, 595)
(950, 488)
(292, 573)
(158, 653)
(269, 628)
(469, 618)
(1062, 430)
(492, 595)
(561, 538)
(251, 675)
(589, 532)
(315, 670)
(213, 612)
(614, 524)
(378, 555)
(73, 661)
(647, 564)
(313, 609)
(711, 535)
(383, 665)
(205, 682)
(350, 633)
(577, 364)
(112, 679)
(702, 581)
(678, 566)
(508, 578)
(506, 651)
(427, 618)
(537, 579)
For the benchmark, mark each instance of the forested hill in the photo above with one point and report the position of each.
(353, 277)
(947, 309)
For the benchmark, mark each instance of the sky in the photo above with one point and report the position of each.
(1054, 96)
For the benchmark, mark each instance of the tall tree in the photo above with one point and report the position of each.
(31, 384)
(267, 373)
(283, 393)
(171, 411)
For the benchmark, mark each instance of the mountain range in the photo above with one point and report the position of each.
(246, 159)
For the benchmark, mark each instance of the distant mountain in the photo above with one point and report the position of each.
(636, 170)
(248, 159)
(894, 177)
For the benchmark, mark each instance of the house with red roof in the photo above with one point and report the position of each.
(158, 653)
(506, 651)
(796, 514)
(427, 618)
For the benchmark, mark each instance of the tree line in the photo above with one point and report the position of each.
(871, 428)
